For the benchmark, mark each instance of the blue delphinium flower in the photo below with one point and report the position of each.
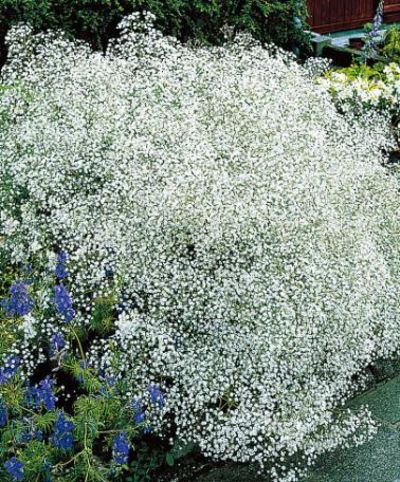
(121, 447)
(20, 302)
(34, 434)
(62, 437)
(370, 47)
(110, 380)
(45, 394)
(42, 394)
(57, 342)
(139, 417)
(64, 303)
(156, 396)
(15, 468)
(3, 414)
(139, 410)
(60, 269)
(10, 369)
(30, 395)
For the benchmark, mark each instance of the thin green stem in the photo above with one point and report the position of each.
(79, 344)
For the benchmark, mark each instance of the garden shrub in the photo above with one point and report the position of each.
(96, 20)
(243, 232)
(361, 89)
(391, 44)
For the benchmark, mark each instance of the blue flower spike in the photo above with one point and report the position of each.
(61, 269)
(139, 410)
(10, 369)
(63, 303)
(156, 396)
(121, 447)
(3, 414)
(62, 437)
(42, 395)
(57, 342)
(20, 302)
(47, 471)
(15, 468)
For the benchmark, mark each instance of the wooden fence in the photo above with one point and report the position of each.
(334, 15)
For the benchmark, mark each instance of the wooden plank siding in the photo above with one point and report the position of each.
(334, 15)
(392, 10)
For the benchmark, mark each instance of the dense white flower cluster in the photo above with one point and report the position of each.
(247, 231)
(317, 66)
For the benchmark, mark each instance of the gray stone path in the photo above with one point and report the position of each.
(377, 460)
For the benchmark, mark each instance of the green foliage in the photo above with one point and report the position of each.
(103, 315)
(391, 47)
(364, 88)
(170, 459)
(280, 21)
(368, 27)
(357, 71)
(147, 460)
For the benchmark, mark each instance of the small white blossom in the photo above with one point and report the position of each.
(28, 326)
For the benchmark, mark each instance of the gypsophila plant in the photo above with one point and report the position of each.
(225, 242)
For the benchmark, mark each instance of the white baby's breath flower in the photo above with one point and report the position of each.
(28, 326)
(245, 230)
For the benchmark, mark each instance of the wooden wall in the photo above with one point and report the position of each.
(392, 11)
(334, 15)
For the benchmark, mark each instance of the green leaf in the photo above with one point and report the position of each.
(180, 450)
(169, 458)
(45, 421)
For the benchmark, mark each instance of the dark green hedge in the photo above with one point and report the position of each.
(96, 20)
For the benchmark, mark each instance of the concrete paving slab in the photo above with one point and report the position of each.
(379, 459)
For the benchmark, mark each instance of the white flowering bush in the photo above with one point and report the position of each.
(244, 233)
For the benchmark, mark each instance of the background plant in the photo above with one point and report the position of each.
(203, 20)
(361, 89)
(391, 44)
(372, 35)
